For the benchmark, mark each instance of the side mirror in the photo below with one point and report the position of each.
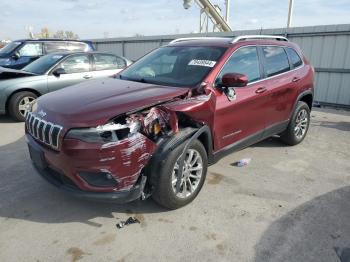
(16, 56)
(234, 80)
(58, 71)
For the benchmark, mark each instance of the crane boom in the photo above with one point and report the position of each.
(214, 15)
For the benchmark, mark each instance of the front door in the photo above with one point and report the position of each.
(244, 117)
(28, 53)
(77, 68)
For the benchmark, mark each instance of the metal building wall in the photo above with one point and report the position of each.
(327, 48)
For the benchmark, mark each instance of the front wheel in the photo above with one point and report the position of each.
(193, 176)
(298, 125)
(18, 104)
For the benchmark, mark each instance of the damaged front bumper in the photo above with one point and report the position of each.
(112, 173)
(119, 197)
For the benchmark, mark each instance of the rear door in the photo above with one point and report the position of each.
(105, 65)
(279, 84)
(77, 69)
(243, 118)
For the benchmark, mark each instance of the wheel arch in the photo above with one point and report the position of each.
(307, 98)
(183, 136)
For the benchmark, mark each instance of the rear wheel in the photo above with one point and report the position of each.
(192, 179)
(19, 103)
(298, 125)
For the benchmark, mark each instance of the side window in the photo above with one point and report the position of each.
(106, 62)
(77, 46)
(51, 47)
(31, 49)
(244, 61)
(294, 57)
(276, 60)
(76, 64)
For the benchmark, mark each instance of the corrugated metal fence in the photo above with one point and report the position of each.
(327, 48)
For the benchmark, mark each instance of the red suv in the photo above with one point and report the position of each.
(154, 128)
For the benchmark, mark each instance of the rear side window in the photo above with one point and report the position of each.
(244, 61)
(51, 47)
(276, 60)
(106, 62)
(31, 49)
(78, 46)
(294, 57)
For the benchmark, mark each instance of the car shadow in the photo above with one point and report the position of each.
(273, 141)
(341, 126)
(318, 230)
(25, 195)
(6, 119)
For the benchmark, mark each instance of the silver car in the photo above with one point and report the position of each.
(18, 88)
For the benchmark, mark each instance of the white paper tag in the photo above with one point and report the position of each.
(197, 62)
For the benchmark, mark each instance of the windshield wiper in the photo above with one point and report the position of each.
(141, 80)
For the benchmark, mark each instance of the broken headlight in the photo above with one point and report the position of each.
(91, 135)
(110, 132)
(152, 123)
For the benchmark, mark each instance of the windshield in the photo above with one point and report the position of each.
(174, 66)
(9, 47)
(43, 64)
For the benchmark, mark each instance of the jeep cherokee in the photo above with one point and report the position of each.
(153, 128)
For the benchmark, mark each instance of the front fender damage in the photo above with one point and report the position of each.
(142, 134)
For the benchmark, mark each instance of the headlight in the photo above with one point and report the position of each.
(92, 135)
(152, 123)
(110, 132)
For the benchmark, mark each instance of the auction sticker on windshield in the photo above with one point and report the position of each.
(197, 62)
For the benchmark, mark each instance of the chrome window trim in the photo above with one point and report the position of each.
(262, 79)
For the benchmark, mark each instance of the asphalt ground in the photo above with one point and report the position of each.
(288, 204)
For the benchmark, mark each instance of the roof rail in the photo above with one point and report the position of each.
(195, 38)
(245, 37)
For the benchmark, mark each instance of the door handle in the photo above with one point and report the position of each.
(295, 79)
(87, 76)
(260, 90)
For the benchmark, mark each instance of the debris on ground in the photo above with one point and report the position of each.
(242, 162)
(129, 221)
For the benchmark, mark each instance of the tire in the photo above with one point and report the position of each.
(164, 193)
(298, 125)
(17, 104)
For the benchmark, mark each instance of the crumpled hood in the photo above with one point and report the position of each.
(7, 73)
(95, 102)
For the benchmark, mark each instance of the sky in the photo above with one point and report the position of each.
(117, 18)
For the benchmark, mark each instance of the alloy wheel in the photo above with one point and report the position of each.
(191, 174)
(24, 104)
(301, 123)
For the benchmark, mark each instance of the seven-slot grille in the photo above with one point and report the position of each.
(42, 130)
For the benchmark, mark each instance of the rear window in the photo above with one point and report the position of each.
(294, 57)
(106, 62)
(276, 60)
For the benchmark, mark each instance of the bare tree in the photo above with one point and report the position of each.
(45, 33)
